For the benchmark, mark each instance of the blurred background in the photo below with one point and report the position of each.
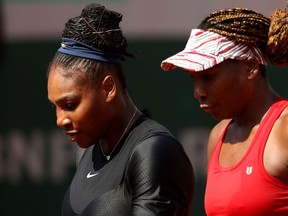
(36, 159)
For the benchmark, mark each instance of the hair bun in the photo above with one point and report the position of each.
(277, 45)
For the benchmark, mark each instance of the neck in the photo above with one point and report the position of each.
(257, 108)
(119, 127)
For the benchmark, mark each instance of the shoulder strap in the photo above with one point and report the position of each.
(267, 123)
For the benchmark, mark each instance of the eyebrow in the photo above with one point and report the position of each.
(65, 97)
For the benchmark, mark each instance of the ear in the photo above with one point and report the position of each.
(109, 87)
(252, 68)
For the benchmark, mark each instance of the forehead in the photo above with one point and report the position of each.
(67, 72)
(59, 84)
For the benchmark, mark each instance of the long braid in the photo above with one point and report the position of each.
(240, 24)
(253, 29)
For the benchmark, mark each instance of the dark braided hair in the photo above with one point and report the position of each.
(252, 29)
(96, 18)
(277, 46)
(99, 28)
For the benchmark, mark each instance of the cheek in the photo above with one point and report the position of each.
(92, 117)
(88, 116)
(93, 114)
(229, 86)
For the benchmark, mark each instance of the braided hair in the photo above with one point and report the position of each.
(253, 29)
(97, 27)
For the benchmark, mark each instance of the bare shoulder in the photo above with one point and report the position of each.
(276, 150)
(278, 139)
(282, 126)
(215, 134)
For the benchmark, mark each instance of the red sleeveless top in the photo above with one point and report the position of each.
(246, 189)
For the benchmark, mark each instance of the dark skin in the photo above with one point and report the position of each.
(87, 113)
(237, 90)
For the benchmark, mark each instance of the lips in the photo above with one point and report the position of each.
(72, 135)
(206, 107)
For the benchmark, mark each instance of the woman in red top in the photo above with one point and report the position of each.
(248, 149)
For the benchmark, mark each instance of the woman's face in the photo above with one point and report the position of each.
(80, 109)
(223, 90)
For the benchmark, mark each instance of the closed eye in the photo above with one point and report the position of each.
(69, 106)
(68, 102)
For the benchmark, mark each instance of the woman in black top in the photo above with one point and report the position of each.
(127, 163)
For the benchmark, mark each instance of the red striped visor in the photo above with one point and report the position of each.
(206, 49)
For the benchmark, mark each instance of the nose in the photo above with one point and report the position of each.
(62, 119)
(199, 90)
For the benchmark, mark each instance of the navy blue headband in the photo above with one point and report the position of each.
(79, 49)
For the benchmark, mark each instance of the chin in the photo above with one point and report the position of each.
(84, 145)
(218, 117)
